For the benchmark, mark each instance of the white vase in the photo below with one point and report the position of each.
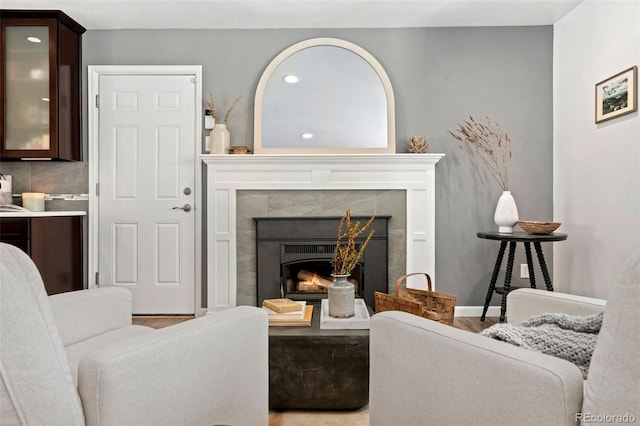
(506, 215)
(220, 139)
(341, 297)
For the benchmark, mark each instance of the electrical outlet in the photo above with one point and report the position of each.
(524, 270)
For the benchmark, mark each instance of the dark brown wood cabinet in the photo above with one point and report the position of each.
(55, 245)
(40, 85)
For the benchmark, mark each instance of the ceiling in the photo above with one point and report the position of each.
(244, 14)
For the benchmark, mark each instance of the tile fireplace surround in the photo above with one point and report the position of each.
(224, 175)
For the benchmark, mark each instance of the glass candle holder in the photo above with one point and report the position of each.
(33, 201)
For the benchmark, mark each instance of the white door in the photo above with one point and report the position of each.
(146, 228)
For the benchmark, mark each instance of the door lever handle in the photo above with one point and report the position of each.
(186, 208)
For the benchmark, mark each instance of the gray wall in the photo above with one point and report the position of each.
(439, 75)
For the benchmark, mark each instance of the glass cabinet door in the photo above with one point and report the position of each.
(27, 93)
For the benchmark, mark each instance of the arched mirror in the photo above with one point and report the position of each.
(322, 96)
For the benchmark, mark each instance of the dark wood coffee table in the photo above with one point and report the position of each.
(315, 369)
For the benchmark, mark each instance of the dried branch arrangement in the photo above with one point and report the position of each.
(230, 110)
(212, 107)
(346, 255)
(489, 142)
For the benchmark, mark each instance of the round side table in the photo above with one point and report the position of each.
(513, 239)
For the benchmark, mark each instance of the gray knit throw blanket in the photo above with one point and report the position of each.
(569, 337)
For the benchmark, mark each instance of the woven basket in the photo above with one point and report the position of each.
(428, 304)
(533, 227)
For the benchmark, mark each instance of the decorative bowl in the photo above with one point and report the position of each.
(238, 149)
(535, 227)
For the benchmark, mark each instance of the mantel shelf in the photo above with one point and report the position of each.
(430, 158)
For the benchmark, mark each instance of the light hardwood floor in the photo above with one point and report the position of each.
(159, 321)
(318, 418)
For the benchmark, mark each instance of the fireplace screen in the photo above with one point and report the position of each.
(294, 258)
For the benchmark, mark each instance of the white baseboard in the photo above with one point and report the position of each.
(476, 311)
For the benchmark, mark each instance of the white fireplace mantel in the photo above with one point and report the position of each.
(226, 174)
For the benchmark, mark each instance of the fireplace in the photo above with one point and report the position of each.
(294, 257)
(224, 176)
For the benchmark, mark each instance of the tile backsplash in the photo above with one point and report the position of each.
(51, 178)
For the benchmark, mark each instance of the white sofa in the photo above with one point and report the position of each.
(426, 373)
(75, 358)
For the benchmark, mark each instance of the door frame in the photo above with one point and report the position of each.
(94, 74)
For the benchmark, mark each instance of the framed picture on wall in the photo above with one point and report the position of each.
(617, 95)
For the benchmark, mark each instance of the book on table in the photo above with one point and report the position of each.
(301, 318)
(282, 306)
(298, 314)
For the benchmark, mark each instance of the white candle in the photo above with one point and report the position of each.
(33, 201)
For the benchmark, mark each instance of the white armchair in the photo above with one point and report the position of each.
(210, 370)
(423, 372)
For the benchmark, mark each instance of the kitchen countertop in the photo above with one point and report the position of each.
(42, 214)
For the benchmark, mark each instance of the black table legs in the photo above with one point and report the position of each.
(532, 276)
(509, 274)
(507, 279)
(543, 266)
(494, 278)
(513, 239)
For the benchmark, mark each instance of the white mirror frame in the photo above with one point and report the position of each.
(384, 78)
